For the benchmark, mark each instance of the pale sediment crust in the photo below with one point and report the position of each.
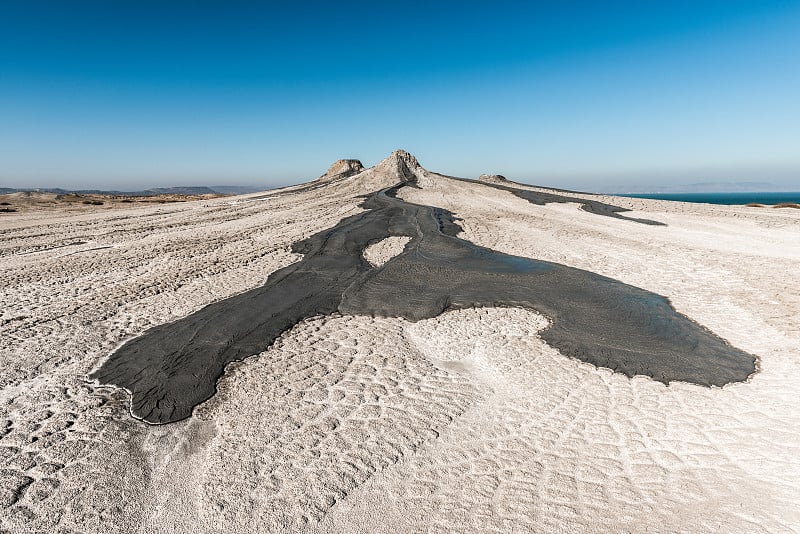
(465, 422)
(174, 367)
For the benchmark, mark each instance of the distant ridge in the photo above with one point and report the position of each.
(493, 178)
(179, 190)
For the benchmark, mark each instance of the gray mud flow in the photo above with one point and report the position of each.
(172, 368)
(540, 198)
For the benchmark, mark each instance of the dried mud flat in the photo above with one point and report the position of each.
(37, 202)
(467, 421)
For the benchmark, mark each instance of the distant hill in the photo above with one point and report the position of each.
(237, 189)
(179, 190)
(199, 190)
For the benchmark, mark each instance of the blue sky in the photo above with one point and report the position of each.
(593, 95)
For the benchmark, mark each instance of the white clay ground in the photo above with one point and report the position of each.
(467, 422)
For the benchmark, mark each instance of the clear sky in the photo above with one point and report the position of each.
(593, 95)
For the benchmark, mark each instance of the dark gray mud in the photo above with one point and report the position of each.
(596, 207)
(174, 367)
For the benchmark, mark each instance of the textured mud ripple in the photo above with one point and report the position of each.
(173, 367)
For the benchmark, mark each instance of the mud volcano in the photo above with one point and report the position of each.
(174, 367)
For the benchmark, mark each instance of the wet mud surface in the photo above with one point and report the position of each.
(172, 368)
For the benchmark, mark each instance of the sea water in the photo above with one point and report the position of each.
(722, 198)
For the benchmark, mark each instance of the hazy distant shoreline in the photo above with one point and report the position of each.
(731, 198)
